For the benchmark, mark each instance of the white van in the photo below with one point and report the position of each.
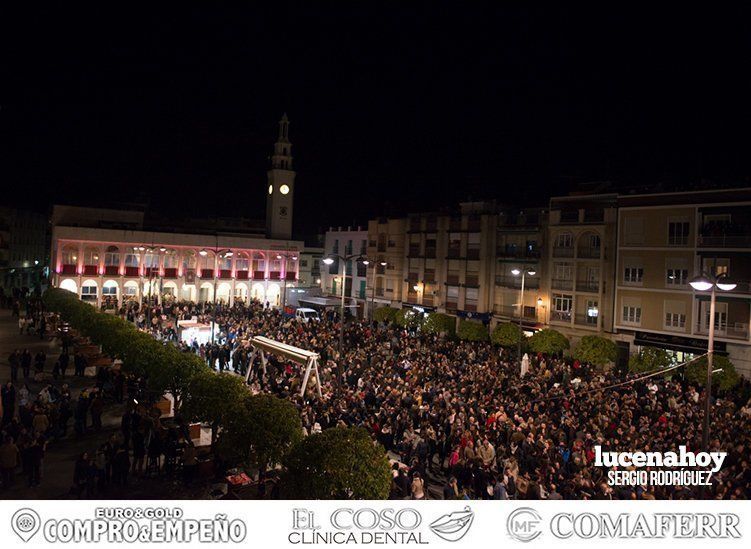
(304, 315)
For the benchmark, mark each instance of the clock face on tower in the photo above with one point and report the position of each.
(271, 189)
(284, 189)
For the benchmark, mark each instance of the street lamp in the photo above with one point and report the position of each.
(523, 273)
(329, 260)
(371, 309)
(703, 283)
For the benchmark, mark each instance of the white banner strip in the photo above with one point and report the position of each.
(270, 524)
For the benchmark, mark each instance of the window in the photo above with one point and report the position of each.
(716, 265)
(675, 320)
(678, 232)
(564, 240)
(170, 259)
(112, 257)
(676, 277)
(633, 275)
(593, 312)
(631, 314)
(594, 241)
(562, 303)
(88, 292)
(471, 294)
(106, 291)
(563, 271)
(131, 260)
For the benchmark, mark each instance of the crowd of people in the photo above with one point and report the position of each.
(457, 419)
(462, 412)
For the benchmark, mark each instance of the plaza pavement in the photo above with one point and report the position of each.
(59, 461)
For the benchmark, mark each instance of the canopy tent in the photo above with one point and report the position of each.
(326, 302)
(262, 345)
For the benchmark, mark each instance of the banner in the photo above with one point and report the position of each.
(269, 524)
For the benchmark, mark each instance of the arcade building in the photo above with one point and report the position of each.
(110, 255)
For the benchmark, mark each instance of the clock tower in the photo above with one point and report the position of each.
(281, 188)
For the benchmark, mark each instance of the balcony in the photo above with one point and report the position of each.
(561, 251)
(473, 253)
(512, 311)
(589, 253)
(562, 284)
(510, 281)
(596, 215)
(452, 279)
(560, 316)
(725, 241)
(591, 286)
(586, 320)
(733, 330)
(516, 252)
(414, 251)
(569, 216)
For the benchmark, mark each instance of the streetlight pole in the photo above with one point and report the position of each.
(703, 283)
(328, 261)
(522, 272)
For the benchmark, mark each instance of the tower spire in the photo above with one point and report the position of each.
(282, 158)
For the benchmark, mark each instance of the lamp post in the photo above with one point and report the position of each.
(329, 260)
(371, 309)
(703, 283)
(523, 273)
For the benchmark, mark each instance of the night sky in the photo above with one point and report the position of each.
(392, 110)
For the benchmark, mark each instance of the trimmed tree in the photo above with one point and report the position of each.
(408, 318)
(261, 430)
(727, 378)
(549, 342)
(596, 350)
(470, 330)
(508, 334)
(649, 358)
(214, 398)
(385, 314)
(338, 463)
(439, 323)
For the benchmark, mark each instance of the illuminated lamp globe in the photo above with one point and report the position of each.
(701, 283)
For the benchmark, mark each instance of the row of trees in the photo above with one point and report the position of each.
(256, 430)
(592, 349)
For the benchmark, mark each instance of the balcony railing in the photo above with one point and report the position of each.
(560, 251)
(512, 311)
(589, 253)
(725, 241)
(735, 330)
(517, 253)
(562, 284)
(516, 282)
(586, 320)
(560, 316)
(587, 286)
